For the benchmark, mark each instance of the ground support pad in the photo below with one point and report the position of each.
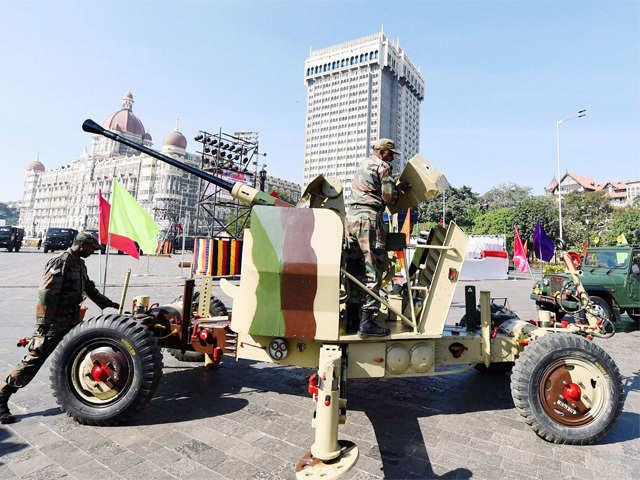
(311, 468)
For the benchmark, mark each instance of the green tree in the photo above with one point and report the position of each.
(495, 222)
(462, 207)
(585, 213)
(505, 195)
(526, 215)
(8, 214)
(625, 221)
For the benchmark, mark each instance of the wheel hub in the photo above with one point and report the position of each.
(100, 374)
(572, 392)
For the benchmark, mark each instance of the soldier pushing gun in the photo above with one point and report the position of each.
(372, 189)
(64, 283)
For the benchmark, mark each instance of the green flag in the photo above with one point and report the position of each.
(131, 220)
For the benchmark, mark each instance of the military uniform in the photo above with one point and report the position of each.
(64, 283)
(371, 190)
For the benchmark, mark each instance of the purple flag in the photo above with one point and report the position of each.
(542, 245)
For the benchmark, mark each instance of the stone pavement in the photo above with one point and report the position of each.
(252, 420)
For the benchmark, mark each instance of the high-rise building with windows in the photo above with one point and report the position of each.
(359, 91)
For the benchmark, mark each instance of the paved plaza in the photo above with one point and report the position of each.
(253, 420)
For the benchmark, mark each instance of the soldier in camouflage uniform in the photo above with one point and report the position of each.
(64, 284)
(372, 189)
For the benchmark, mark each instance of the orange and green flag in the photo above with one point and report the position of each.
(130, 220)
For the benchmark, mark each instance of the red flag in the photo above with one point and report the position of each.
(274, 194)
(119, 242)
(179, 226)
(519, 254)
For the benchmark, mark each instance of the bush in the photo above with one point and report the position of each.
(550, 268)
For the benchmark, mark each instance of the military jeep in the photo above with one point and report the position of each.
(11, 238)
(58, 239)
(611, 277)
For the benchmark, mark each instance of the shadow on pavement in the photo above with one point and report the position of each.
(393, 406)
(627, 428)
(49, 412)
(398, 404)
(6, 445)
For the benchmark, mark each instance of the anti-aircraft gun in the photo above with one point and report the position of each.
(290, 308)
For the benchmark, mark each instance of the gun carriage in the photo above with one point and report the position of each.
(291, 308)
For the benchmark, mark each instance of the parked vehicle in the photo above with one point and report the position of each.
(611, 277)
(11, 238)
(58, 239)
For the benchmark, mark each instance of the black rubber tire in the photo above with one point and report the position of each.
(17, 248)
(134, 340)
(635, 317)
(499, 368)
(45, 250)
(187, 356)
(536, 359)
(216, 309)
(10, 248)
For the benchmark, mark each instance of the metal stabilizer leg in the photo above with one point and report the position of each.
(329, 457)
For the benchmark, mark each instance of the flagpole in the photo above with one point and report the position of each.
(184, 227)
(100, 266)
(106, 263)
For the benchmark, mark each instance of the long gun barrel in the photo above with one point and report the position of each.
(238, 190)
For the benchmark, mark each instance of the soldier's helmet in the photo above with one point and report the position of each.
(87, 238)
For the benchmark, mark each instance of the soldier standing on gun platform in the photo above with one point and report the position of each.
(64, 283)
(372, 189)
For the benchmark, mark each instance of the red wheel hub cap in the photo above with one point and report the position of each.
(100, 372)
(572, 392)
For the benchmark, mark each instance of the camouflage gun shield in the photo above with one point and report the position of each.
(291, 269)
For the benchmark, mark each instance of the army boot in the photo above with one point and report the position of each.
(5, 392)
(369, 328)
(353, 317)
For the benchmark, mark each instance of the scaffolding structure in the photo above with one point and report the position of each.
(234, 158)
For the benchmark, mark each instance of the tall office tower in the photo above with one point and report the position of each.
(359, 91)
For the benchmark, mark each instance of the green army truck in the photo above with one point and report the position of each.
(611, 277)
(11, 238)
(58, 239)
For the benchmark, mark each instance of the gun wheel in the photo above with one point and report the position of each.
(567, 388)
(106, 369)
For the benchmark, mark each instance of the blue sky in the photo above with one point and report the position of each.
(498, 75)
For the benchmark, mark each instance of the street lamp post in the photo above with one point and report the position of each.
(578, 114)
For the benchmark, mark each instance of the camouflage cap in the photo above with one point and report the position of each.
(86, 237)
(386, 144)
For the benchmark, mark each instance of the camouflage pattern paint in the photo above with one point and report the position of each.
(295, 292)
